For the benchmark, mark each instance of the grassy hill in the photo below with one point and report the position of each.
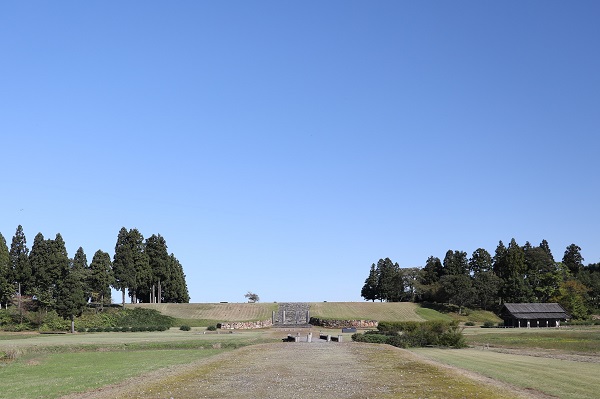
(205, 314)
(380, 311)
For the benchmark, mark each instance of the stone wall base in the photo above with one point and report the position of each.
(245, 325)
(327, 323)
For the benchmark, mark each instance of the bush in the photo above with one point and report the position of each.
(52, 322)
(370, 338)
(185, 328)
(415, 334)
(211, 328)
(488, 324)
(470, 323)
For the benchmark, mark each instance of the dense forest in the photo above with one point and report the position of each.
(513, 274)
(46, 278)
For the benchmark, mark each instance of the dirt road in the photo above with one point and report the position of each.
(308, 371)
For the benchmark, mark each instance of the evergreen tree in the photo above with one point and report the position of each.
(81, 270)
(124, 272)
(514, 288)
(71, 300)
(44, 279)
(432, 271)
(573, 259)
(369, 289)
(388, 283)
(101, 277)
(542, 276)
(175, 290)
(480, 262)
(19, 261)
(430, 287)
(486, 286)
(143, 274)
(158, 258)
(455, 263)
(458, 290)
(6, 288)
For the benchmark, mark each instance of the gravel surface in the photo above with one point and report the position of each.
(304, 371)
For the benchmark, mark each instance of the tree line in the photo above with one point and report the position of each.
(514, 274)
(57, 282)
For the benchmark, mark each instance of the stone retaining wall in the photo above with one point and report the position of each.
(327, 323)
(245, 325)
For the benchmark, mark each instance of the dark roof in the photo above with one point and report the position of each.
(535, 311)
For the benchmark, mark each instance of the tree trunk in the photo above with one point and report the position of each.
(159, 292)
(72, 324)
(123, 291)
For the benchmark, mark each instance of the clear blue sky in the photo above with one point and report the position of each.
(283, 147)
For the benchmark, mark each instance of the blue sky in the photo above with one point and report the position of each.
(283, 147)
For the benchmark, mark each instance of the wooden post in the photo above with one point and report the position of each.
(309, 337)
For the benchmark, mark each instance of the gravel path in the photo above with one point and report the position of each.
(306, 371)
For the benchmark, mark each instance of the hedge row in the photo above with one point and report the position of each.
(415, 334)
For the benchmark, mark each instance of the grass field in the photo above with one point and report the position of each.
(559, 378)
(392, 311)
(576, 340)
(49, 366)
(196, 314)
(205, 314)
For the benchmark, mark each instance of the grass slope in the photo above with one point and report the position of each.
(380, 311)
(204, 314)
(559, 378)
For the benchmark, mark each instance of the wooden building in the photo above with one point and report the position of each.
(530, 315)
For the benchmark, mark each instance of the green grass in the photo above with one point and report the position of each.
(584, 340)
(57, 374)
(561, 378)
(432, 315)
(380, 311)
(49, 366)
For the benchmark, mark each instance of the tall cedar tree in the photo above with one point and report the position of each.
(158, 257)
(572, 259)
(44, 279)
(20, 274)
(456, 263)
(60, 264)
(70, 301)
(124, 272)
(481, 261)
(514, 288)
(141, 265)
(6, 288)
(175, 290)
(369, 289)
(81, 270)
(101, 277)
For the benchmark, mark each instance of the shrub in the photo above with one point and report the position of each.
(470, 323)
(488, 324)
(53, 322)
(185, 328)
(211, 328)
(370, 338)
(414, 334)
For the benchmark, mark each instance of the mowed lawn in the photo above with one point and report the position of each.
(560, 378)
(386, 311)
(217, 312)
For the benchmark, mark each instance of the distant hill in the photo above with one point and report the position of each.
(198, 314)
